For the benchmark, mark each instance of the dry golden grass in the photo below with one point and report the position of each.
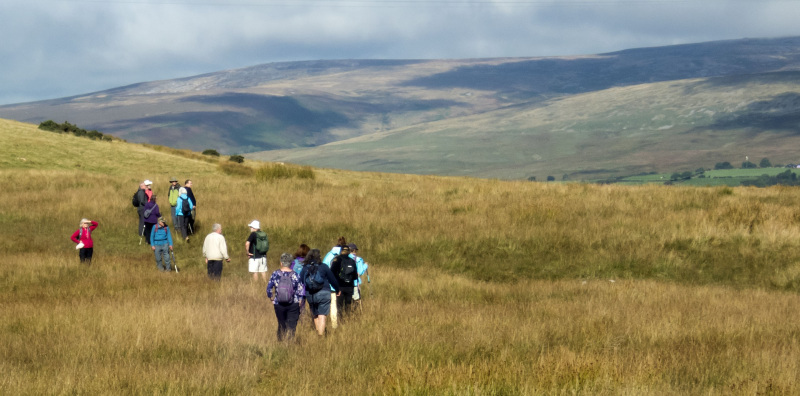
(478, 286)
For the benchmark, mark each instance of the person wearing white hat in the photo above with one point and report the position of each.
(257, 246)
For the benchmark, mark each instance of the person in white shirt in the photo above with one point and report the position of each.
(215, 250)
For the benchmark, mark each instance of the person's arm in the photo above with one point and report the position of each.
(247, 245)
(270, 285)
(169, 236)
(74, 236)
(153, 236)
(223, 248)
(332, 279)
(93, 225)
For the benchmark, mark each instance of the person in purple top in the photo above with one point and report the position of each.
(288, 297)
(150, 215)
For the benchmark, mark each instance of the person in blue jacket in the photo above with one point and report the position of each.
(319, 300)
(361, 268)
(183, 212)
(161, 244)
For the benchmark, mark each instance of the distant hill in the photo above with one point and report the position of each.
(638, 110)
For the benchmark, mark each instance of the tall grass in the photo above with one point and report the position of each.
(478, 286)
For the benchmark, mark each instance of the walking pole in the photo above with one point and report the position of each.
(174, 261)
(368, 282)
(141, 235)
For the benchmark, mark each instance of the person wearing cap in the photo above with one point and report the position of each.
(161, 244)
(361, 267)
(83, 238)
(182, 213)
(257, 260)
(172, 196)
(287, 312)
(346, 281)
(334, 313)
(139, 201)
(151, 215)
(215, 250)
(190, 219)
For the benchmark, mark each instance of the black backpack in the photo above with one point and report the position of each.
(313, 279)
(135, 200)
(347, 269)
(185, 209)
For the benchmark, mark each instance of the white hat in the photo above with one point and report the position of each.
(255, 224)
(148, 183)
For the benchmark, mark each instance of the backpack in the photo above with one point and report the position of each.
(149, 211)
(135, 200)
(262, 242)
(284, 290)
(347, 269)
(174, 193)
(314, 280)
(185, 209)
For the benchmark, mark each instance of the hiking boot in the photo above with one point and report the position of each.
(186, 240)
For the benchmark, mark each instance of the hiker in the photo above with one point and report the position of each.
(345, 271)
(83, 238)
(300, 257)
(161, 243)
(190, 219)
(318, 280)
(215, 250)
(151, 214)
(327, 261)
(257, 246)
(361, 267)
(289, 292)
(139, 200)
(183, 210)
(172, 195)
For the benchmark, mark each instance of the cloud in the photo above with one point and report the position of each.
(70, 47)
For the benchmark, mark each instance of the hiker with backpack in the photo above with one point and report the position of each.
(318, 281)
(191, 217)
(83, 239)
(151, 215)
(257, 246)
(183, 210)
(161, 243)
(289, 292)
(342, 241)
(172, 195)
(139, 201)
(361, 267)
(345, 270)
(300, 257)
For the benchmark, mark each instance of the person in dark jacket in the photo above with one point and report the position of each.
(344, 269)
(141, 201)
(190, 220)
(319, 301)
(151, 214)
(161, 239)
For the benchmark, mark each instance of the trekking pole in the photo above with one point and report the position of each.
(368, 282)
(174, 261)
(141, 235)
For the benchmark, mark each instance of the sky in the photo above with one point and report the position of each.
(57, 48)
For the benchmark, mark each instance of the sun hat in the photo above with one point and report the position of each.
(255, 224)
(161, 220)
(173, 179)
(148, 183)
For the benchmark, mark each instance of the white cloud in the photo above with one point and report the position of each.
(69, 47)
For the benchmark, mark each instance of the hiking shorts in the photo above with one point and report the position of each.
(320, 303)
(257, 265)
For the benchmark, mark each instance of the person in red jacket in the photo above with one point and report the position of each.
(83, 238)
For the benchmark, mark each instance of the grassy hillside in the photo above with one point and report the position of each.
(587, 117)
(477, 286)
(667, 127)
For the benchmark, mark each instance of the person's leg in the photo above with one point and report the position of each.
(319, 321)
(89, 253)
(166, 257)
(334, 312)
(159, 258)
(292, 316)
(82, 255)
(281, 314)
(215, 269)
(140, 212)
(174, 219)
(147, 228)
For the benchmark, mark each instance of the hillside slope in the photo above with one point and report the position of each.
(308, 104)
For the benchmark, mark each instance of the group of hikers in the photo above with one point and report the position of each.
(330, 285)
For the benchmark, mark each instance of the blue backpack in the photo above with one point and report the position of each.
(314, 279)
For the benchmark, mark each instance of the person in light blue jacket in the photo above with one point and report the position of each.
(342, 241)
(183, 211)
(361, 268)
(161, 243)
